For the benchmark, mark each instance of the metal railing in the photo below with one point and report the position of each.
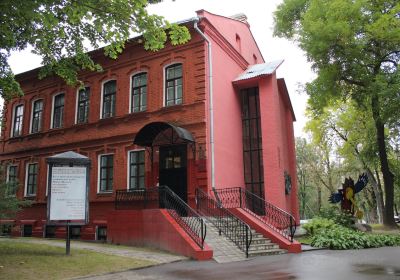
(163, 197)
(272, 216)
(224, 220)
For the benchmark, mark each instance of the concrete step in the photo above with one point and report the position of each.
(266, 252)
(265, 246)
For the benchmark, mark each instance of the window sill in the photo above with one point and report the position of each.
(136, 115)
(15, 139)
(56, 131)
(80, 126)
(35, 135)
(172, 108)
(107, 193)
(106, 121)
(30, 197)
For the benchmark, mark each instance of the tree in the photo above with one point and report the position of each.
(317, 174)
(9, 203)
(59, 30)
(354, 47)
(351, 135)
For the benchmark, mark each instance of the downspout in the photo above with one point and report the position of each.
(210, 101)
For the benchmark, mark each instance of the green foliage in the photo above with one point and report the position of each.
(9, 203)
(316, 225)
(354, 47)
(59, 30)
(341, 238)
(339, 217)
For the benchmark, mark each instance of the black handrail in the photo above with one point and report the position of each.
(164, 198)
(224, 220)
(275, 218)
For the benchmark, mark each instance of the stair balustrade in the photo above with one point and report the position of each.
(224, 220)
(272, 216)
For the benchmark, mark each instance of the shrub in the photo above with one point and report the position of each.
(335, 214)
(341, 238)
(318, 224)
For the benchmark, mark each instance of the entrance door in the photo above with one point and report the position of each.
(173, 169)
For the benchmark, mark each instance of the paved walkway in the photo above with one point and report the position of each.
(156, 256)
(366, 264)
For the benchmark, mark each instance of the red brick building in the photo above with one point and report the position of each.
(209, 114)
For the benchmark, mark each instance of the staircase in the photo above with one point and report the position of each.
(262, 246)
(230, 237)
(224, 250)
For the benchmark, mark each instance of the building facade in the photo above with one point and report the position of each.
(209, 114)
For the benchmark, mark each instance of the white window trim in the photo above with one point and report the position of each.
(47, 179)
(98, 172)
(130, 88)
(52, 109)
(128, 163)
(102, 94)
(77, 102)
(8, 171)
(165, 80)
(26, 179)
(13, 119)
(31, 122)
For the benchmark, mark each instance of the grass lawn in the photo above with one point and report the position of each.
(305, 239)
(381, 229)
(36, 261)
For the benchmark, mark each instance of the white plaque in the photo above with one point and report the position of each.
(68, 193)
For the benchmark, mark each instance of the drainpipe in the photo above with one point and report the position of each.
(210, 103)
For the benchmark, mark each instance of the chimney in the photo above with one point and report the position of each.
(240, 17)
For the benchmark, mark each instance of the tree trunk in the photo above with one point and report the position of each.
(388, 177)
(319, 199)
(378, 194)
(376, 187)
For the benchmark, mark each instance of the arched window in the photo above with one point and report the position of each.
(17, 120)
(173, 85)
(37, 116)
(139, 92)
(109, 99)
(82, 107)
(58, 111)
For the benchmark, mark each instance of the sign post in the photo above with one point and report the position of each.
(67, 201)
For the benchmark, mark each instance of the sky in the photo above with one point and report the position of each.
(295, 69)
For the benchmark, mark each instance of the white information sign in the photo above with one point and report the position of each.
(68, 193)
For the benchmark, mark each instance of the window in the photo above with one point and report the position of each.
(31, 179)
(102, 233)
(83, 105)
(173, 85)
(106, 173)
(136, 170)
(12, 179)
(139, 92)
(252, 143)
(27, 231)
(58, 111)
(12, 173)
(18, 117)
(109, 93)
(75, 232)
(37, 115)
(50, 231)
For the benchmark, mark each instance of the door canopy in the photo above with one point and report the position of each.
(167, 132)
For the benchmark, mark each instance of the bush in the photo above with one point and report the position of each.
(318, 224)
(335, 214)
(340, 238)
